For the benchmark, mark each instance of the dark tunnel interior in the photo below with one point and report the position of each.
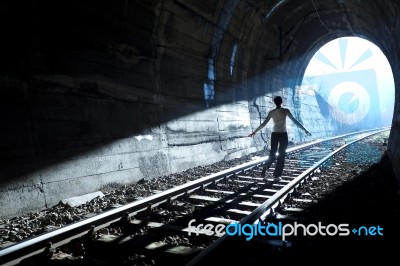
(91, 90)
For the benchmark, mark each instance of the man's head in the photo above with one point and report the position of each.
(278, 100)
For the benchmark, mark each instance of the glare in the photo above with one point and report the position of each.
(353, 81)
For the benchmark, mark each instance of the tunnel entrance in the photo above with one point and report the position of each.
(352, 82)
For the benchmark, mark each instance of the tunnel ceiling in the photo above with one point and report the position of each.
(274, 38)
(290, 32)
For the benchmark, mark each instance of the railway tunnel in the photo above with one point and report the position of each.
(102, 92)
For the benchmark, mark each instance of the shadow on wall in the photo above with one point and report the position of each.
(76, 76)
(71, 84)
(68, 83)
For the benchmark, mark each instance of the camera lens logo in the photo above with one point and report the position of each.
(351, 100)
(349, 93)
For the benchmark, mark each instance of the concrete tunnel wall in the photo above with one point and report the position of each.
(94, 92)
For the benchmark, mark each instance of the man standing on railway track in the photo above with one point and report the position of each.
(279, 137)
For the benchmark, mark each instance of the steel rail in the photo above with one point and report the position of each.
(35, 245)
(255, 215)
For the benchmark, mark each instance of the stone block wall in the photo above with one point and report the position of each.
(61, 144)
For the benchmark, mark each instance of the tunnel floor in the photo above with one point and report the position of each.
(372, 198)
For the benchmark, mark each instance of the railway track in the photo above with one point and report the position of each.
(167, 226)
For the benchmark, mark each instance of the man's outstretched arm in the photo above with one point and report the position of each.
(261, 126)
(298, 123)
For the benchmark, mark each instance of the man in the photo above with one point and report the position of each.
(279, 137)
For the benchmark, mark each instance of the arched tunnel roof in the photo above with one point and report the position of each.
(288, 33)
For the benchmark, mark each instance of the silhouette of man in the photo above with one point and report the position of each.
(279, 137)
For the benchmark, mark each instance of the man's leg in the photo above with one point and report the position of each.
(280, 161)
(272, 153)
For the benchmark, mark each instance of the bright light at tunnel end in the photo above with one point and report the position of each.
(354, 82)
